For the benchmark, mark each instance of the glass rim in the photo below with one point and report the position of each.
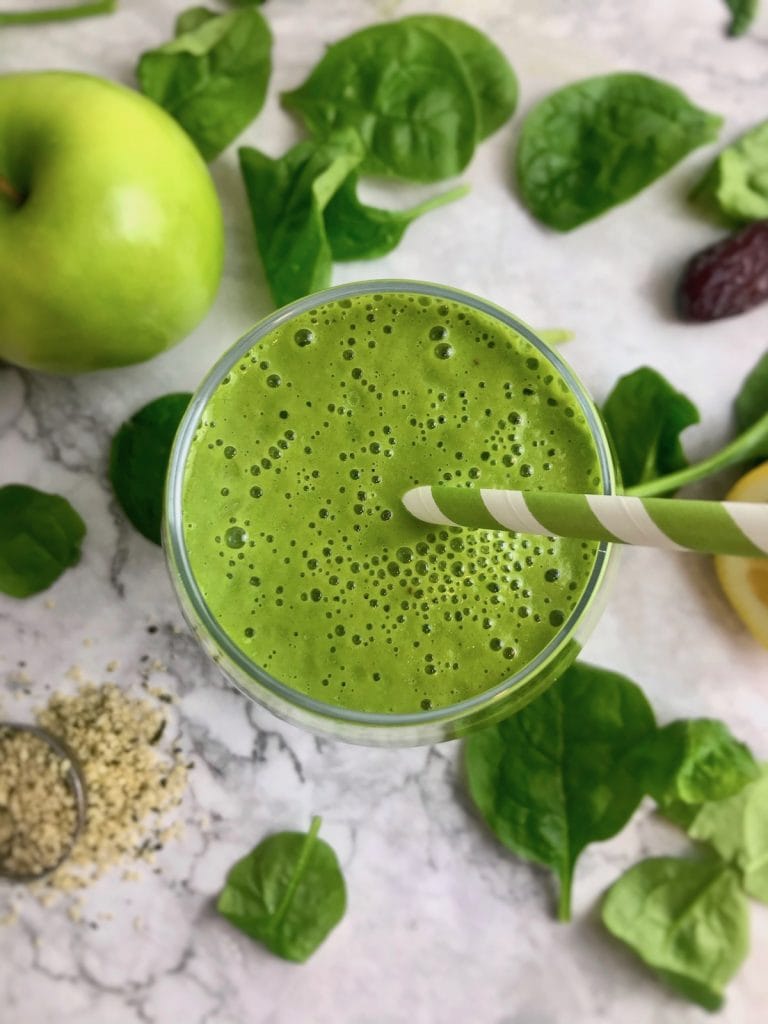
(184, 577)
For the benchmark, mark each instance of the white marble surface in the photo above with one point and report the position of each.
(442, 924)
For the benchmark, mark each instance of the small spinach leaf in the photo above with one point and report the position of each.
(287, 198)
(751, 411)
(743, 13)
(751, 403)
(555, 335)
(554, 777)
(687, 919)
(750, 444)
(138, 461)
(597, 143)
(691, 761)
(645, 416)
(192, 19)
(212, 77)
(737, 828)
(288, 893)
(404, 91)
(40, 537)
(489, 72)
(735, 188)
(359, 232)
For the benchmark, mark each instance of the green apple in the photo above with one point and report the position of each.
(111, 235)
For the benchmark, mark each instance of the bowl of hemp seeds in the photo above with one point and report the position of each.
(42, 802)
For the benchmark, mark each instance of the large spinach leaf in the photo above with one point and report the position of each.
(598, 142)
(138, 461)
(360, 232)
(213, 76)
(645, 416)
(490, 74)
(687, 919)
(288, 893)
(288, 197)
(555, 777)
(40, 537)
(404, 91)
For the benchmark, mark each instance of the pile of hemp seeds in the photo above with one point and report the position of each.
(130, 786)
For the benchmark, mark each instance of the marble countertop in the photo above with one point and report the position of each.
(442, 924)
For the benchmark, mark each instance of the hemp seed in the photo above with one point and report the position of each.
(38, 806)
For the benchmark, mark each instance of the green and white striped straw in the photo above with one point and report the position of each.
(714, 527)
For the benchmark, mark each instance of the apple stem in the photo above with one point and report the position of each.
(58, 13)
(12, 193)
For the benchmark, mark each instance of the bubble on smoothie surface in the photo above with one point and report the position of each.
(311, 560)
(304, 337)
(235, 537)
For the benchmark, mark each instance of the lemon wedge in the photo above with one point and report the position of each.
(745, 580)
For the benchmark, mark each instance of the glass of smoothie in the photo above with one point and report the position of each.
(294, 560)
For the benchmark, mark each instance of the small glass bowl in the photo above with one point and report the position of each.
(379, 729)
(76, 783)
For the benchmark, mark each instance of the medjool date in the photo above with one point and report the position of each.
(726, 278)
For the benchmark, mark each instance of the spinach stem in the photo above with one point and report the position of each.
(10, 192)
(746, 446)
(301, 866)
(432, 204)
(564, 903)
(58, 13)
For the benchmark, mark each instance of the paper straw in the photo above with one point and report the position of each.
(714, 527)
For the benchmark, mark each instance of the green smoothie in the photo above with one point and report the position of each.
(291, 503)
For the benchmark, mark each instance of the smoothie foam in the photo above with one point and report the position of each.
(292, 518)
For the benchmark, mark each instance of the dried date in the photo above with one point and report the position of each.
(726, 278)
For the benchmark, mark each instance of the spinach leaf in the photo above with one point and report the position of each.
(743, 13)
(40, 537)
(691, 761)
(751, 403)
(287, 198)
(490, 75)
(85, 10)
(138, 461)
(404, 91)
(213, 76)
(687, 919)
(555, 777)
(737, 828)
(645, 416)
(192, 19)
(359, 232)
(750, 444)
(751, 409)
(735, 188)
(600, 141)
(288, 893)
